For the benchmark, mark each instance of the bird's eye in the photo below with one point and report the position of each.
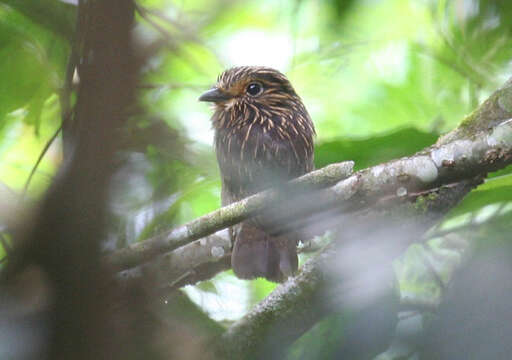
(254, 89)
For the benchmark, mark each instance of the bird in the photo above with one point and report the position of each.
(263, 137)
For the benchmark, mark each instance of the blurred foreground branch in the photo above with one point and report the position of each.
(57, 256)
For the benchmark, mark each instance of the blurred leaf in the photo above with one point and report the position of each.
(374, 150)
(338, 9)
(495, 191)
(502, 172)
(182, 309)
(21, 75)
(490, 206)
(477, 37)
(195, 200)
(20, 147)
(159, 223)
(54, 15)
(32, 62)
(35, 107)
(3, 251)
(259, 289)
(207, 286)
(417, 281)
(322, 341)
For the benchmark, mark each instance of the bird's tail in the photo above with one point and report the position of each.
(257, 254)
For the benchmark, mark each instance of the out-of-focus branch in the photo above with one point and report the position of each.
(62, 243)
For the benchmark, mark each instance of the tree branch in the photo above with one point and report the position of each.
(353, 274)
(421, 189)
(226, 216)
(482, 143)
(296, 305)
(197, 261)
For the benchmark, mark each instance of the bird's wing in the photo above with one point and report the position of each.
(255, 158)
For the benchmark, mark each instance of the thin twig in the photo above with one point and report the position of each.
(167, 38)
(172, 86)
(39, 159)
(182, 277)
(449, 64)
(185, 31)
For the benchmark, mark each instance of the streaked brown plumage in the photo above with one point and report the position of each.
(263, 138)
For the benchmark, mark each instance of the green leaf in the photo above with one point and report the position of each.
(35, 107)
(495, 191)
(259, 289)
(53, 15)
(374, 150)
(322, 341)
(196, 199)
(207, 286)
(32, 63)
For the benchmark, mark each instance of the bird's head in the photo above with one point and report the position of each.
(253, 90)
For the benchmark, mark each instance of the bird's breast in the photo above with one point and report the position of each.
(257, 156)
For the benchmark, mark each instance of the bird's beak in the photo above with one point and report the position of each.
(215, 95)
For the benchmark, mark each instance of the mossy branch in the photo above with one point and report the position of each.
(226, 216)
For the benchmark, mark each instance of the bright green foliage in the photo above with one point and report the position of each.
(32, 63)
